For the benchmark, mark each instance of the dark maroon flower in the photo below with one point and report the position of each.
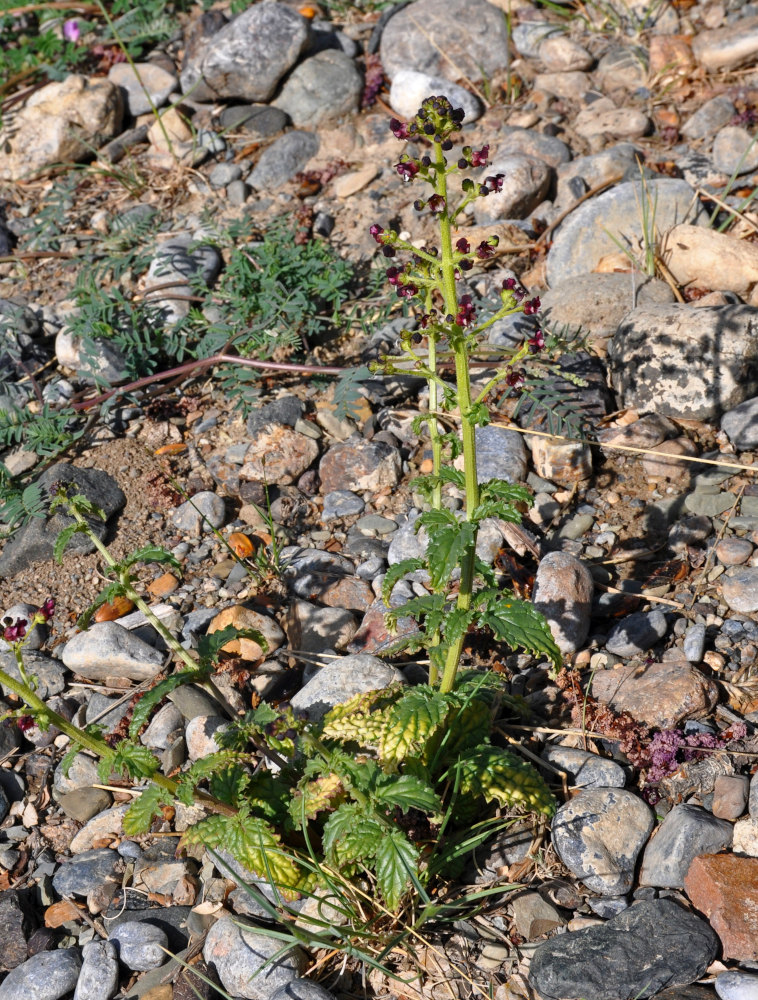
(393, 275)
(514, 379)
(16, 631)
(399, 129)
(537, 342)
(388, 251)
(466, 312)
(377, 232)
(463, 245)
(485, 250)
(419, 205)
(511, 285)
(466, 264)
(407, 291)
(479, 156)
(407, 169)
(416, 338)
(494, 183)
(532, 306)
(25, 722)
(48, 609)
(447, 145)
(426, 161)
(436, 204)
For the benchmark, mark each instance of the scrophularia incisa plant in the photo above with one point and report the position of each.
(449, 335)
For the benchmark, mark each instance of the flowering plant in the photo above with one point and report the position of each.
(450, 333)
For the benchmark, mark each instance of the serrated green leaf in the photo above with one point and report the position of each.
(499, 776)
(502, 509)
(64, 537)
(209, 646)
(313, 797)
(436, 518)
(499, 489)
(396, 572)
(229, 784)
(446, 549)
(517, 623)
(396, 859)
(252, 842)
(144, 809)
(431, 607)
(68, 758)
(412, 722)
(134, 760)
(456, 623)
(350, 836)
(152, 553)
(403, 791)
(156, 694)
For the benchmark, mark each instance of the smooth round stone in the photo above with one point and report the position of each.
(99, 977)
(242, 958)
(730, 792)
(685, 832)
(560, 54)
(146, 85)
(563, 594)
(586, 770)
(85, 872)
(734, 150)
(107, 649)
(140, 945)
(736, 985)
(733, 551)
(740, 590)
(341, 503)
(223, 174)
(373, 524)
(637, 633)
(48, 975)
(205, 511)
(694, 643)
(598, 835)
(342, 678)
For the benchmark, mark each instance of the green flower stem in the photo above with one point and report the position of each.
(42, 713)
(463, 382)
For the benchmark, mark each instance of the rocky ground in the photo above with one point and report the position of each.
(626, 134)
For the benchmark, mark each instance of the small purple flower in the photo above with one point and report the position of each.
(48, 608)
(71, 30)
(532, 306)
(407, 169)
(436, 204)
(463, 245)
(537, 342)
(514, 379)
(16, 631)
(485, 250)
(393, 275)
(479, 157)
(494, 183)
(376, 232)
(25, 722)
(399, 129)
(466, 312)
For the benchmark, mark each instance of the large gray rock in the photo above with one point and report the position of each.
(593, 305)
(99, 977)
(549, 148)
(243, 957)
(247, 57)
(728, 47)
(48, 975)
(586, 234)
(107, 649)
(35, 541)
(341, 679)
(140, 945)
(87, 871)
(586, 172)
(563, 591)
(651, 945)
(684, 833)
(324, 87)
(500, 454)
(599, 834)
(685, 362)
(450, 38)
(283, 159)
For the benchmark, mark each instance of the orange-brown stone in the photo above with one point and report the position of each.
(163, 585)
(725, 888)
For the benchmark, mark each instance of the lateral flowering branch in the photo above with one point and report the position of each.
(428, 277)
